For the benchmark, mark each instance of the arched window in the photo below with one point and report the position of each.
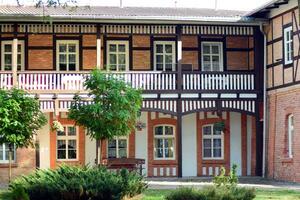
(290, 135)
(164, 142)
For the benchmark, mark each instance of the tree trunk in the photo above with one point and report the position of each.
(10, 161)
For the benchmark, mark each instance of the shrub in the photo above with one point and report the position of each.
(79, 183)
(212, 193)
(230, 180)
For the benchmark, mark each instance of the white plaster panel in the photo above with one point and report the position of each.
(235, 141)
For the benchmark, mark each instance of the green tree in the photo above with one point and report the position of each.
(114, 108)
(20, 118)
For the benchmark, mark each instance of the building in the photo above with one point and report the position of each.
(197, 67)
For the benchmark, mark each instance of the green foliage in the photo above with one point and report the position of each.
(18, 194)
(114, 109)
(20, 117)
(230, 180)
(212, 193)
(82, 183)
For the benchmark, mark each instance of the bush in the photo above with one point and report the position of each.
(212, 193)
(230, 180)
(78, 183)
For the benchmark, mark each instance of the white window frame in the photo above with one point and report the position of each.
(212, 137)
(288, 45)
(4, 154)
(117, 42)
(164, 137)
(290, 135)
(220, 45)
(66, 137)
(67, 42)
(22, 53)
(117, 146)
(173, 54)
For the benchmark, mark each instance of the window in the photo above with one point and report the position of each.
(67, 143)
(7, 49)
(117, 55)
(212, 144)
(164, 142)
(117, 148)
(164, 55)
(67, 58)
(288, 45)
(212, 56)
(4, 153)
(290, 135)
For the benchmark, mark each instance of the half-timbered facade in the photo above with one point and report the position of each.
(196, 67)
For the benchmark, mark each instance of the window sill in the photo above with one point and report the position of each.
(214, 161)
(6, 165)
(287, 160)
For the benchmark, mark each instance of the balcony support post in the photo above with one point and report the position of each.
(15, 61)
(98, 47)
(179, 104)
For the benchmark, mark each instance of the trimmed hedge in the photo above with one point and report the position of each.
(77, 183)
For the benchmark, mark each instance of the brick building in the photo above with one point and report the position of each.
(196, 67)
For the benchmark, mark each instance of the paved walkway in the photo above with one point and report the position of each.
(256, 182)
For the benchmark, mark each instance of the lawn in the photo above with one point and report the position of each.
(260, 194)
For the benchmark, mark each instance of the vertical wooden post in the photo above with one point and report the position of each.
(98, 47)
(179, 104)
(15, 61)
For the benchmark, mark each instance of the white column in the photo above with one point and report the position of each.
(15, 60)
(99, 53)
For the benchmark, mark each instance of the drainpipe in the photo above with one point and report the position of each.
(264, 103)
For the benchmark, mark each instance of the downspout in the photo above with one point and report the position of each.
(264, 103)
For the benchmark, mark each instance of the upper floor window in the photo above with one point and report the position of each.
(164, 55)
(117, 148)
(67, 143)
(4, 153)
(290, 135)
(67, 55)
(212, 56)
(288, 45)
(6, 55)
(118, 55)
(212, 143)
(164, 142)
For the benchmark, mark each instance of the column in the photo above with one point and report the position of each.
(98, 48)
(15, 60)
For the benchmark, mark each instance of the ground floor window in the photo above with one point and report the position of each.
(67, 143)
(212, 143)
(164, 142)
(117, 148)
(4, 153)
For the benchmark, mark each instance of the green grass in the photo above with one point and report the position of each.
(260, 194)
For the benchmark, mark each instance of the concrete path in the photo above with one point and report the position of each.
(255, 182)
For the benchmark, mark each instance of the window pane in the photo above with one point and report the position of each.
(113, 67)
(169, 148)
(159, 66)
(159, 148)
(169, 67)
(112, 58)
(112, 153)
(159, 48)
(19, 60)
(207, 130)
(207, 153)
(122, 67)
(122, 153)
(215, 49)
(206, 49)
(122, 48)
(61, 133)
(112, 144)
(168, 58)
(72, 154)
(62, 58)
(168, 48)
(122, 59)
(72, 58)
(217, 153)
(7, 59)
(61, 144)
(72, 66)
(122, 143)
(61, 154)
(72, 48)
(62, 48)
(1, 153)
(112, 48)
(7, 48)
(159, 130)
(217, 143)
(159, 59)
(207, 143)
(158, 143)
(19, 48)
(72, 144)
(168, 130)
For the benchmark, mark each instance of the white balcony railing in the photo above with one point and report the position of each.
(6, 80)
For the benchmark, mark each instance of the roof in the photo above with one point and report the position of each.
(124, 13)
(262, 10)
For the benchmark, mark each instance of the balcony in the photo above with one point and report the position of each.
(147, 81)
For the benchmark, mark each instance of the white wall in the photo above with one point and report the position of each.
(189, 145)
(90, 151)
(43, 139)
(141, 138)
(249, 135)
(235, 141)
